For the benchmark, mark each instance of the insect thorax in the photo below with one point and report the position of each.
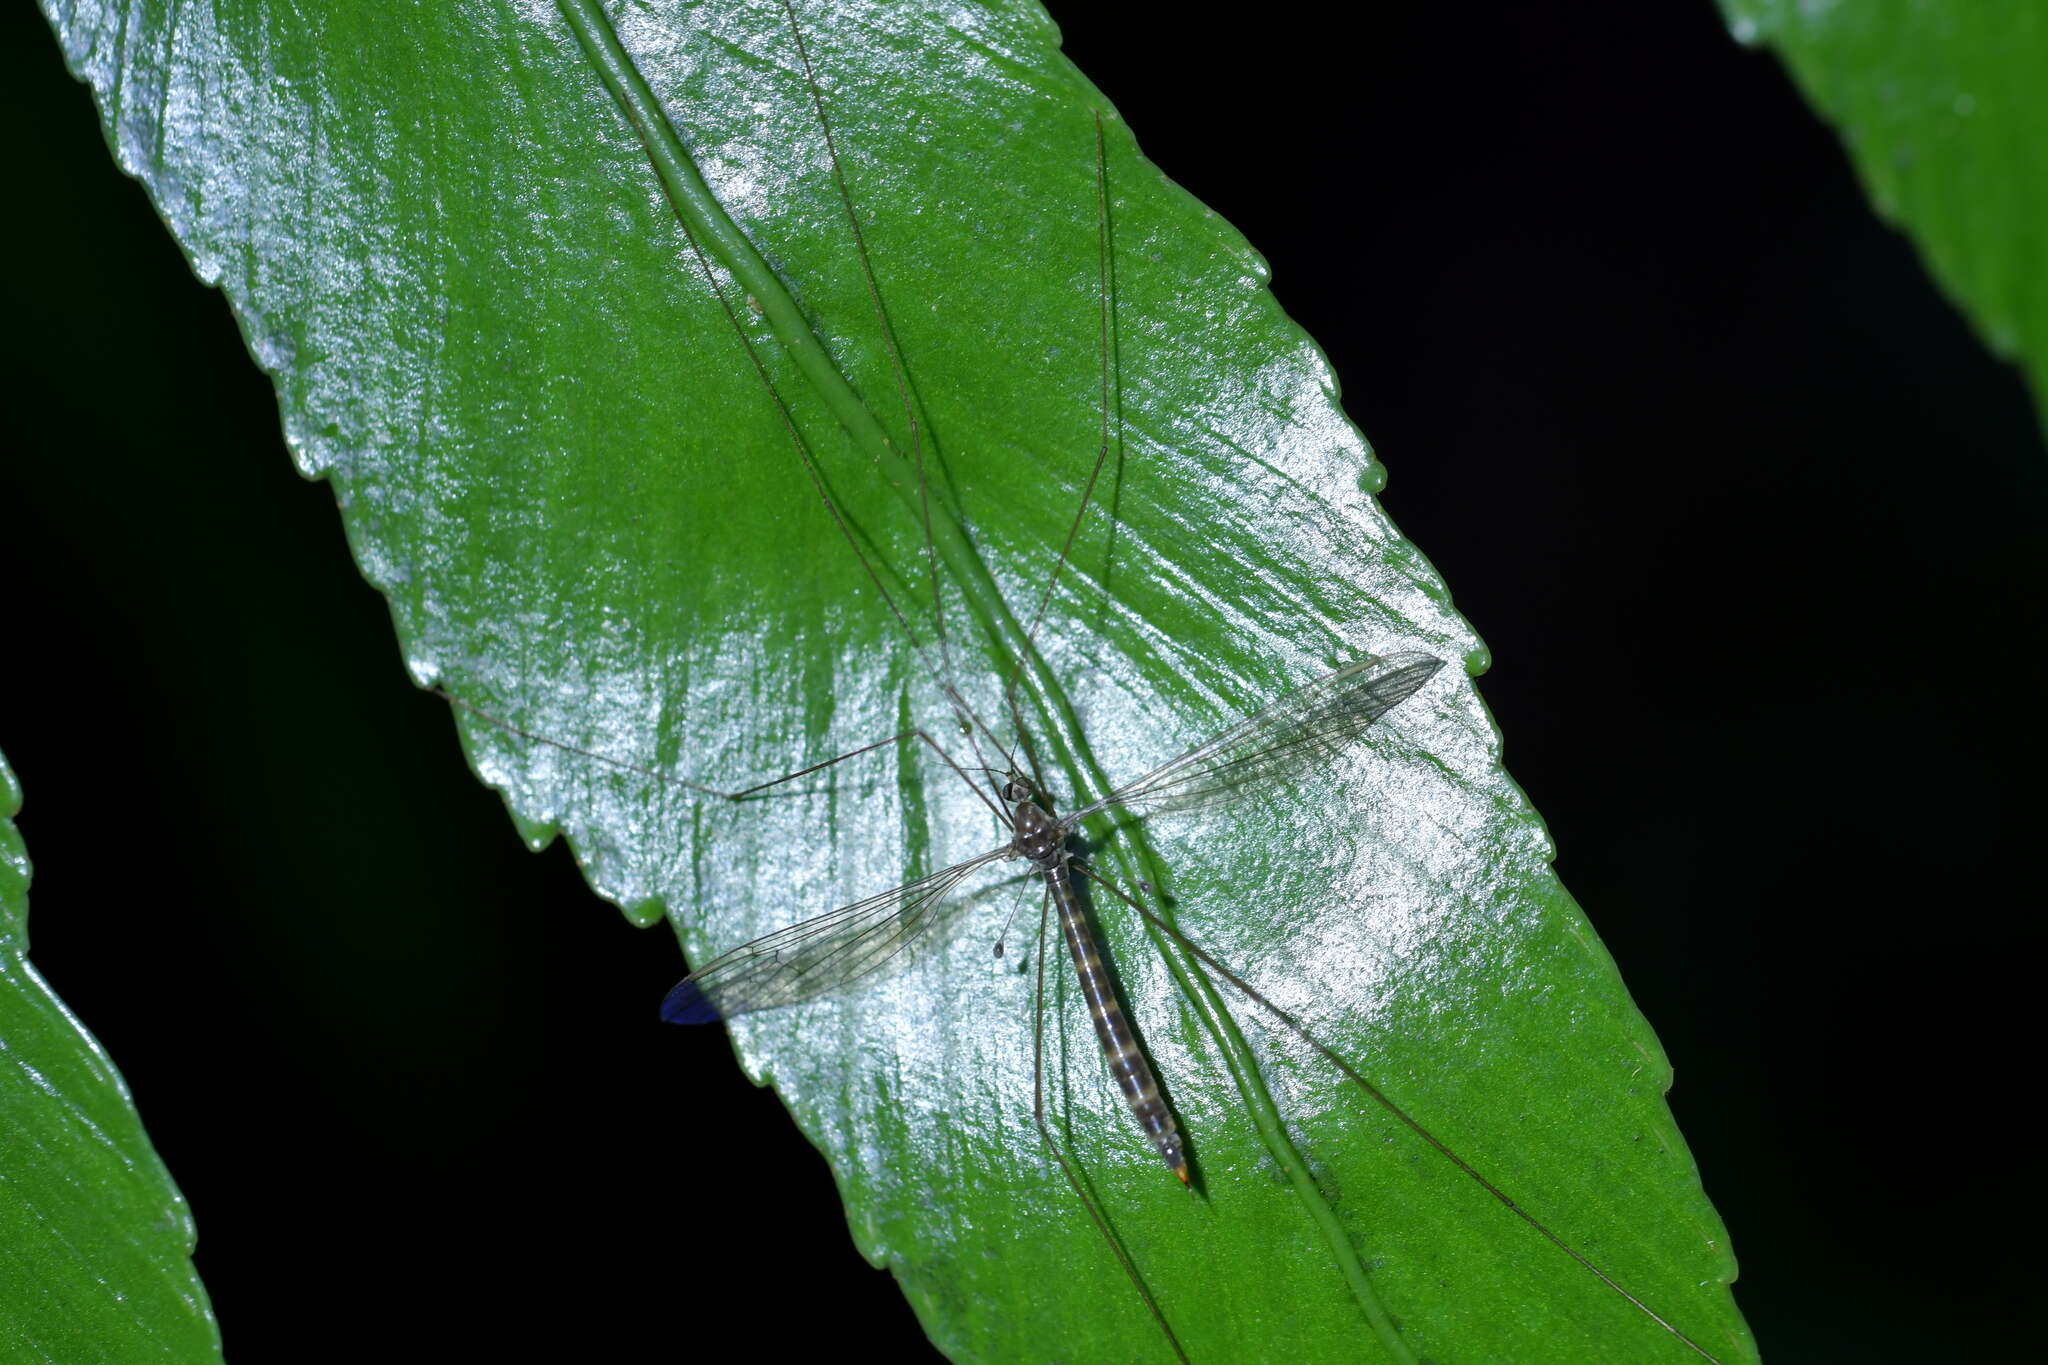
(1038, 838)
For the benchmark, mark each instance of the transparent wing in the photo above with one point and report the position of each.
(1287, 739)
(820, 955)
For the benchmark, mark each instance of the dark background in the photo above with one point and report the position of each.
(1744, 510)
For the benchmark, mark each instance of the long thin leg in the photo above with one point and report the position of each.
(888, 335)
(896, 369)
(1066, 1167)
(1102, 444)
(817, 478)
(1336, 1059)
(972, 724)
(739, 795)
(943, 674)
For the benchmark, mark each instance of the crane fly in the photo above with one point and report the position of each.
(1288, 740)
(836, 949)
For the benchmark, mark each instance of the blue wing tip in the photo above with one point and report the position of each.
(686, 1004)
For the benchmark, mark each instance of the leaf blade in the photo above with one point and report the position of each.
(550, 546)
(1937, 109)
(95, 1240)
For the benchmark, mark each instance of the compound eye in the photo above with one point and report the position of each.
(1016, 790)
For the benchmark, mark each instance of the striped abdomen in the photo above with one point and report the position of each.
(1119, 1045)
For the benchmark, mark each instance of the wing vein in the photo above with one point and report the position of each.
(1278, 743)
(820, 955)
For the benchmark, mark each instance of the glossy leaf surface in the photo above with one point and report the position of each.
(1939, 106)
(489, 330)
(95, 1241)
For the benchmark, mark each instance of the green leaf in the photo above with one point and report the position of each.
(95, 1240)
(1940, 108)
(444, 235)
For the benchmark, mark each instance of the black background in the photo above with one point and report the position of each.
(1742, 507)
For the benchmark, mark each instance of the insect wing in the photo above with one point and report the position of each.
(1284, 740)
(818, 956)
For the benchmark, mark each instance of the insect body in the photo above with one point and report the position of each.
(1044, 843)
(836, 949)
